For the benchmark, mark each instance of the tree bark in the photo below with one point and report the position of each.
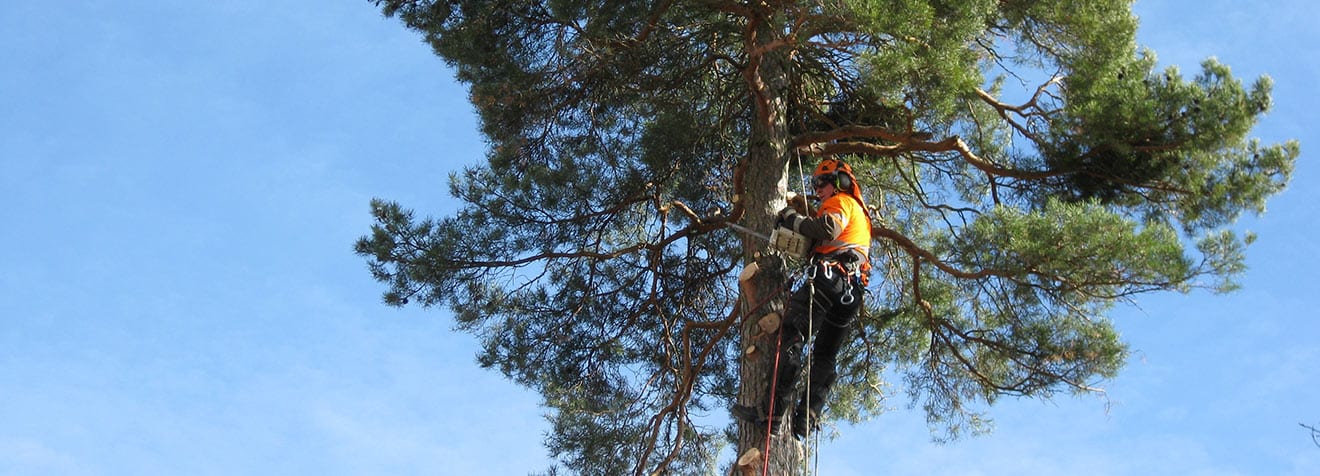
(765, 189)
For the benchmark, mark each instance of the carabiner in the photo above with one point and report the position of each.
(847, 298)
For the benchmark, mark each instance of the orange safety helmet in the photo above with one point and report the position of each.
(839, 174)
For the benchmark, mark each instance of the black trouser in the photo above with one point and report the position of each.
(836, 303)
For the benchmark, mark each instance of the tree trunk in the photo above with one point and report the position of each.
(765, 186)
(765, 294)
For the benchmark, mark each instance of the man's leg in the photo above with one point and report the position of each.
(780, 389)
(832, 331)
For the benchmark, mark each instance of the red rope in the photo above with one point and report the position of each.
(769, 419)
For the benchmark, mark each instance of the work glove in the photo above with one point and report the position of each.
(788, 218)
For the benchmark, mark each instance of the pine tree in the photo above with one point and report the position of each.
(1026, 164)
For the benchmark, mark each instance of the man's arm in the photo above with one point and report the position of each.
(826, 227)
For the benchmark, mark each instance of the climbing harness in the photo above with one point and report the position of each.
(851, 278)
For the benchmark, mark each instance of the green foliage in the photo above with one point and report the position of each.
(923, 55)
(1028, 168)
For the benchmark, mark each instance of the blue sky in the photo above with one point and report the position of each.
(182, 185)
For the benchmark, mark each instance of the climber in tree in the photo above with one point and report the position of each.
(827, 303)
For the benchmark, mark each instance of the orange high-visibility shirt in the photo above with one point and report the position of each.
(853, 223)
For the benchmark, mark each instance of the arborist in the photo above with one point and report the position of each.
(827, 302)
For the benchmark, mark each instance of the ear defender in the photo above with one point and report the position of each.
(835, 172)
(843, 182)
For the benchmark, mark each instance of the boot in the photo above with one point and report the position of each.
(805, 419)
(754, 414)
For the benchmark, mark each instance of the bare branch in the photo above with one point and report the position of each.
(1315, 433)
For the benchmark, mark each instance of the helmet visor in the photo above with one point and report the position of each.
(822, 180)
